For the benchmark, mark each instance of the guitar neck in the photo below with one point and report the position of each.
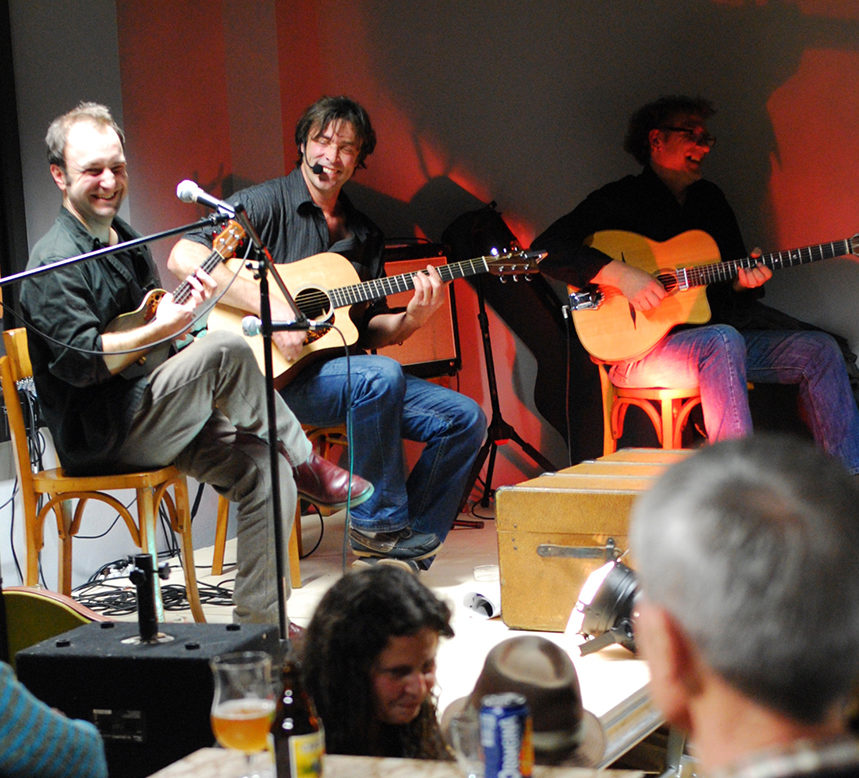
(725, 271)
(223, 247)
(382, 287)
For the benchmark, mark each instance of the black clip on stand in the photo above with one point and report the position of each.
(264, 265)
(142, 575)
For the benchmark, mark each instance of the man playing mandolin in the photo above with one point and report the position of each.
(303, 214)
(666, 201)
(202, 408)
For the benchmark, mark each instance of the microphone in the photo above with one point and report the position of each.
(316, 168)
(252, 325)
(189, 192)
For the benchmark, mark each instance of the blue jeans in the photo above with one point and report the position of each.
(388, 406)
(721, 360)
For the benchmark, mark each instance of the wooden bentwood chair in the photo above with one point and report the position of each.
(667, 409)
(322, 439)
(61, 491)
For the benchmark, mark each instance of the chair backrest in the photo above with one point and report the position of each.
(14, 367)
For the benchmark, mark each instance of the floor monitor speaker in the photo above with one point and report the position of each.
(150, 701)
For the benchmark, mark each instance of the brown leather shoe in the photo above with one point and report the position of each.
(325, 484)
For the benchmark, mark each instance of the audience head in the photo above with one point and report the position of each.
(333, 110)
(661, 113)
(746, 552)
(369, 663)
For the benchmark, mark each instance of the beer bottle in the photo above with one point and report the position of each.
(299, 739)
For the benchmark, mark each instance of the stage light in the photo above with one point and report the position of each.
(603, 613)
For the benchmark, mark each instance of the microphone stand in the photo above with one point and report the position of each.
(213, 219)
(265, 264)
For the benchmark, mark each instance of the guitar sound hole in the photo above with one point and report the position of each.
(314, 304)
(668, 280)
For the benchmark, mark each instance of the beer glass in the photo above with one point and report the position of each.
(243, 704)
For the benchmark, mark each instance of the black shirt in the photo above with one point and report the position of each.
(293, 227)
(87, 410)
(645, 205)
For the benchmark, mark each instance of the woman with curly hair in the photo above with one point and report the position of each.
(369, 664)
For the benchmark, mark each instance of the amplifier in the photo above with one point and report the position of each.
(150, 702)
(432, 350)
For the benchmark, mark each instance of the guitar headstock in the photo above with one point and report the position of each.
(516, 262)
(228, 239)
(854, 244)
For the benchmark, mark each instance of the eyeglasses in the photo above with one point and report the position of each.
(698, 137)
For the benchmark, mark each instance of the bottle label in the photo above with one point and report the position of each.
(305, 754)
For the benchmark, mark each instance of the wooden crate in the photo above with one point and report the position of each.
(584, 507)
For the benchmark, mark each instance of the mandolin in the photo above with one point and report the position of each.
(146, 360)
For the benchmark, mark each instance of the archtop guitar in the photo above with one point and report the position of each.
(612, 330)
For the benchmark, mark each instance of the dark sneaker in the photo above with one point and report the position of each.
(403, 544)
(372, 561)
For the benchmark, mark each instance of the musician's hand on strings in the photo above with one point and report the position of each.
(289, 343)
(639, 287)
(757, 275)
(430, 294)
(177, 318)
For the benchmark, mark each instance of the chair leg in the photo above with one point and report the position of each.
(294, 553)
(220, 535)
(667, 423)
(64, 538)
(294, 548)
(183, 525)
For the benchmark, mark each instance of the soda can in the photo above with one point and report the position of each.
(505, 735)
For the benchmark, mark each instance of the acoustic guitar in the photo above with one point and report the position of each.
(612, 330)
(33, 614)
(310, 282)
(146, 360)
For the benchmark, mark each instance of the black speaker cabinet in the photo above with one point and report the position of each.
(150, 702)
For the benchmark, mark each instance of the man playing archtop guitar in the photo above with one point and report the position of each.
(669, 211)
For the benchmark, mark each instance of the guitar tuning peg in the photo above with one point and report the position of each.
(502, 279)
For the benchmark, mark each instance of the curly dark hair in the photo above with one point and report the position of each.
(657, 114)
(349, 629)
(331, 109)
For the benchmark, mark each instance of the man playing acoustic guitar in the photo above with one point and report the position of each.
(202, 408)
(303, 214)
(669, 201)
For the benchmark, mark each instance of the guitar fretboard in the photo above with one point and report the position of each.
(225, 244)
(382, 287)
(725, 271)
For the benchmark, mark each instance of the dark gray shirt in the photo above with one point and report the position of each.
(87, 410)
(293, 227)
